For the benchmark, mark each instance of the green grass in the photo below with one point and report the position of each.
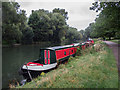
(116, 41)
(95, 69)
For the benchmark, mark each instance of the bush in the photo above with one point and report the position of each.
(92, 49)
(78, 53)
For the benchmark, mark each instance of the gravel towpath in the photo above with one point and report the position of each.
(116, 50)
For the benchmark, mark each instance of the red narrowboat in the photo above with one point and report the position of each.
(49, 58)
(87, 44)
(90, 41)
(83, 46)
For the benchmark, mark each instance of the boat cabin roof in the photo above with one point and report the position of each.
(60, 47)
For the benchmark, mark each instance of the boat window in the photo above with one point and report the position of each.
(72, 50)
(64, 52)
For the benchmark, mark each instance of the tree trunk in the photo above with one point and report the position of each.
(109, 38)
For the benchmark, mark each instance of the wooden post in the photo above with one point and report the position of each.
(29, 73)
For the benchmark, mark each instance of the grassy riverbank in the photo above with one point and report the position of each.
(95, 68)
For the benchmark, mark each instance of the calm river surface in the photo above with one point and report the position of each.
(13, 58)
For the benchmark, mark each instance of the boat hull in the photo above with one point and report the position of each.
(35, 71)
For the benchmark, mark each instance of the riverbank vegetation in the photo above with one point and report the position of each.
(106, 24)
(51, 26)
(93, 68)
(41, 26)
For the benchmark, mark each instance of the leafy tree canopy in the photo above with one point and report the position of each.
(107, 22)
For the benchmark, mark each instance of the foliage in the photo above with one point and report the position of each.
(42, 74)
(62, 12)
(51, 26)
(79, 51)
(72, 35)
(41, 26)
(10, 26)
(107, 22)
(83, 35)
(14, 22)
(47, 26)
(27, 35)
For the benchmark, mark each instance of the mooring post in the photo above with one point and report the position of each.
(29, 73)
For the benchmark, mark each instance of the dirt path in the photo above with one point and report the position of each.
(116, 50)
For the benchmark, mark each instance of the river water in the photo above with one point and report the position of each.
(13, 58)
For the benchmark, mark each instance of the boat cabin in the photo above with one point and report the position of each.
(59, 53)
(83, 46)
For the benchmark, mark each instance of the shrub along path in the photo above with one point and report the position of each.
(116, 50)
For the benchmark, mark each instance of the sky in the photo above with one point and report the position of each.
(78, 10)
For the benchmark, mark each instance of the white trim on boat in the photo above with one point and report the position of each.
(40, 68)
(76, 44)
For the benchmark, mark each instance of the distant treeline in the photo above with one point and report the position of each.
(45, 26)
(107, 24)
(42, 25)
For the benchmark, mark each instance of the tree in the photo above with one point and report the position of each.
(89, 30)
(60, 25)
(39, 21)
(27, 35)
(10, 26)
(47, 26)
(14, 23)
(83, 35)
(62, 12)
(42, 25)
(107, 24)
(72, 35)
